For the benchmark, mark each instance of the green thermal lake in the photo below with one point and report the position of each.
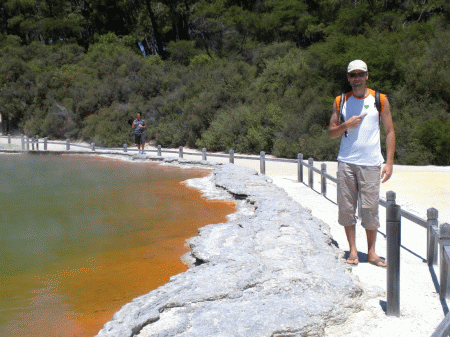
(80, 236)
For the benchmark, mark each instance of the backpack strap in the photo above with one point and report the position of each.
(341, 116)
(378, 105)
(378, 101)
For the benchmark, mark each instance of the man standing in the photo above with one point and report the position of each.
(139, 129)
(360, 158)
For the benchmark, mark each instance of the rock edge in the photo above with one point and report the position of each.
(271, 270)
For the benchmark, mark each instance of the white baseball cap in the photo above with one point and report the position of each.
(357, 65)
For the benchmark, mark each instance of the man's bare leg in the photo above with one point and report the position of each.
(371, 255)
(350, 232)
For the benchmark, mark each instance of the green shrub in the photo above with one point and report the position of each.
(170, 132)
(200, 60)
(434, 136)
(244, 129)
(55, 120)
(182, 51)
(109, 127)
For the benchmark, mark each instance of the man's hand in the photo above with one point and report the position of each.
(386, 173)
(336, 129)
(354, 121)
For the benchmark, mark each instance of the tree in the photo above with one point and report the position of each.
(156, 33)
(43, 20)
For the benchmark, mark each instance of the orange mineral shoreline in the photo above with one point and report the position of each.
(79, 299)
(139, 270)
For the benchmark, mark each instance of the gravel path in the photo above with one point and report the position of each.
(420, 306)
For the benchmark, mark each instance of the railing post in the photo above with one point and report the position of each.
(323, 180)
(300, 167)
(9, 138)
(390, 197)
(444, 240)
(393, 231)
(67, 144)
(432, 246)
(93, 146)
(204, 153)
(45, 143)
(27, 141)
(262, 162)
(32, 143)
(310, 173)
(125, 147)
(159, 151)
(232, 156)
(443, 329)
(180, 150)
(23, 142)
(37, 142)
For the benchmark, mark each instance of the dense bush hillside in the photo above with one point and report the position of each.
(257, 75)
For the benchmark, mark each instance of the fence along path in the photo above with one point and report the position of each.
(438, 235)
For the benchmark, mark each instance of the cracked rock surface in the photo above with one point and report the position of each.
(271, 270)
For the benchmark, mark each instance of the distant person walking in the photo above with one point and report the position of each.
(360, 158)
(139, 132)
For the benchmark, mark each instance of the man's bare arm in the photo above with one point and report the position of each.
(386, 118)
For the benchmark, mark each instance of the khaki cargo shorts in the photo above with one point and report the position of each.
(354, 179)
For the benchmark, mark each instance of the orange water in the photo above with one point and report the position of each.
(78, 296)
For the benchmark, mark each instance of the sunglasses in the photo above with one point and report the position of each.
(353, 75)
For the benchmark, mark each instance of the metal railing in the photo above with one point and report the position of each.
(438, 236)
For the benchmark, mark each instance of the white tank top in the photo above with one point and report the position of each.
(362, 144)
